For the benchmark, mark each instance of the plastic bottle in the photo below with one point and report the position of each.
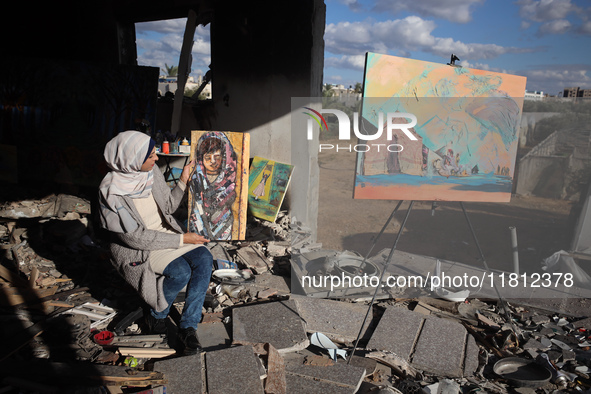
(184, 147)
(165, 147)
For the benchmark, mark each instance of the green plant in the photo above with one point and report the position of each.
(171, 71)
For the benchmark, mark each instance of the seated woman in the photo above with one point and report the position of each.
(149, 247)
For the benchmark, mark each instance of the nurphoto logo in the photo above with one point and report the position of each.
(344, 124)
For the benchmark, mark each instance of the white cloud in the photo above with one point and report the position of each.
(585, 28)
(554, 79)
(484, 66)
(200, 46)
(160, 43)
(172, 42)
(452, 10)
(446, 46)
(545, 10)
(333, 79)
(356, 62)
(552, 16)
(354, 5)
(148, 44)
(163, 27)
(409, 34)
(525, 25)
(558, 26)
(574, 77)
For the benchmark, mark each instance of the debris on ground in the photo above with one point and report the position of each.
(71, 324)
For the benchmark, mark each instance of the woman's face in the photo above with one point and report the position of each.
(150, 161)
(212, 161)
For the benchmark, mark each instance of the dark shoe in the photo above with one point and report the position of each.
(188, 338)
(155, 326)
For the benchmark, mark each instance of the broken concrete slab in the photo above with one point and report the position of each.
(440, 347)
(397, 332)
(233, 370)
(45, 207)
(254, 259)
(303, 385)
(583, 323)
(278, 248)
(540, 319)
(262, 294)
(275, 382)
(49, 206)
(471, 361)
(534, 344)
(431, 344)
(368, 364)
(278, 323)
(213, 335)
(306, 378)
(268, 281)
(185, 375)
(339, 321)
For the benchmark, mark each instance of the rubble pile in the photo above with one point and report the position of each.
(71, 324)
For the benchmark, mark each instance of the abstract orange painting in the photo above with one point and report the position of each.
(462, 135)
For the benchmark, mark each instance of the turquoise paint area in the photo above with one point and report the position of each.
(372, 58)
(476, 182)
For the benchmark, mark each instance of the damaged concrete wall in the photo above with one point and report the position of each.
(260, 60)
(582, 236)
(555, 167)
(528, 126)
(541, 176)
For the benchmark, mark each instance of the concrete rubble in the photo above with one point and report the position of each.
(70, 324)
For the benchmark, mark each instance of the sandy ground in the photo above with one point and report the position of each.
(543, 225)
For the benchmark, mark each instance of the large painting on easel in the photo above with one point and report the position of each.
(219, 184)
(465, 137)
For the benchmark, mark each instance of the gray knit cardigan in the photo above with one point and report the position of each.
(130, 251)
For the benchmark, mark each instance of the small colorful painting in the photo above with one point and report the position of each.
(219, 185)
(465, 137)
(267, 185)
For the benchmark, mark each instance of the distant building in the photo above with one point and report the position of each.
(534, 95)
(570, 92)
(169, 84)
(577, 92)
(347, 96)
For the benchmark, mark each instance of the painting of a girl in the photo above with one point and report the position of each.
(213, 187)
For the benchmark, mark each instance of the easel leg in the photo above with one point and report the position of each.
(383, 270)
(501, 300)
(375, 241)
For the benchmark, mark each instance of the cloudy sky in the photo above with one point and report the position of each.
(548, 41)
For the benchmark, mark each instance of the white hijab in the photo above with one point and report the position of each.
(124, 155)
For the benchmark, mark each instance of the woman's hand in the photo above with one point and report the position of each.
(187, 170)
(192, 238)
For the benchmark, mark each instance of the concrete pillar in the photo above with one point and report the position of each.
(262, 56)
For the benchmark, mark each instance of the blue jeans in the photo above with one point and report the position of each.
(193, 269)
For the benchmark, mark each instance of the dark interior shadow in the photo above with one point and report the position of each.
(39, 351)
